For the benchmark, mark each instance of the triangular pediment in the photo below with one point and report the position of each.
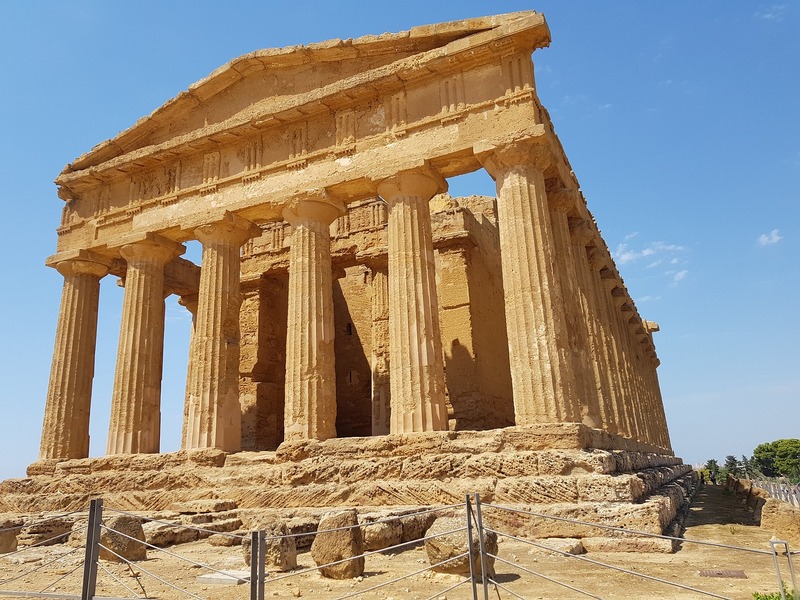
(272, 84)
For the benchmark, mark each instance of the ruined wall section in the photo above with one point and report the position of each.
(472, 319)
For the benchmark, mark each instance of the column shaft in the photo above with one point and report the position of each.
(415, 341)
(537, 333)
(136, 398)
(65, 432)
(310, 406)
(214, 415)
(381, 392)
(599, 399)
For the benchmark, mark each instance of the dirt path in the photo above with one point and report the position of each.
(716, 516)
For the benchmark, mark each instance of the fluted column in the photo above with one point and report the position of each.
(537, 332)
(561, 203)
(214, 416)
(415, 341)
(135, 424)
(381, 392)
(310, 405)
(65, 431)
(190, 303)
(599, 402)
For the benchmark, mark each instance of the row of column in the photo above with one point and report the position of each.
(574, 357)
(577, 351)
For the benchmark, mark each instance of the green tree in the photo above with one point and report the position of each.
(779, 458)
(712, 466)
(731, 464)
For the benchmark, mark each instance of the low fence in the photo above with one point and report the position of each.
(787, 492)
(82, 573)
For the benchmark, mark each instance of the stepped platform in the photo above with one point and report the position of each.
(564, 470)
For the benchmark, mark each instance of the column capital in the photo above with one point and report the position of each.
(499, 157)
(230, 227)
(423, 182)
(314, 205)
(153, 247)
(79, 262)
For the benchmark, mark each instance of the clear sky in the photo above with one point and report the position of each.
(680, 120)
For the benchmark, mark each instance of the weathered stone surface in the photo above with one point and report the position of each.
(558, 546)
(386, 532)
(204, 506)
(115, 537)
(163, 534)
(447, 539)
(332, 546)
(280, 550)
(219, 539)
(782, 519)
(10, 527)
(45, 532)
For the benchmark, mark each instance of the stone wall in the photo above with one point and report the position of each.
(781, 518)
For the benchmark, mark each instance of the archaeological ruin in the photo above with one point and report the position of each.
(360, 337)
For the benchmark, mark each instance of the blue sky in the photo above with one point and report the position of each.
(680, 120)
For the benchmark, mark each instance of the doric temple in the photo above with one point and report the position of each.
(342, 292)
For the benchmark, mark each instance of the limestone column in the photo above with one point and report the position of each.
(561, 203)
(600, 400)
(136, 398)
(537, 332)
(65, 432)
(310, 405)
(214, 416)
(381, 392)
(190, 303)
(415, 341)
(616, 388)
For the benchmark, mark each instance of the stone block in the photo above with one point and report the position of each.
(447, 539)
(46, 532)
(280, 550)
(782, 519)
(333, 546)
(115, 536)
(9, 529)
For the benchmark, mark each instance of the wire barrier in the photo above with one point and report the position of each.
(150, 578)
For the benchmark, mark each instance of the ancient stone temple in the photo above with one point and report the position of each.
(346, 307)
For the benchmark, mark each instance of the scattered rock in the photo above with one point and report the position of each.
(378, 536)
(45, 532)
(332, 546)
(121, 545)
(449, 545)
(280, 550)
(557, 546)
(165, 534)
(219, 539)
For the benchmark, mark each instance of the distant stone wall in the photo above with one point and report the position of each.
(781, 518)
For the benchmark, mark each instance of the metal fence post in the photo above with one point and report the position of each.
(484, 573)
(89, 584)
(792, 575)
(254, 561)
(262, 562)
(469, 549)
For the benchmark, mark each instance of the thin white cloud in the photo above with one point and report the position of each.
(680, 276)
(769, 239)
(775, 13)
(623, 254)
(647, 299)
